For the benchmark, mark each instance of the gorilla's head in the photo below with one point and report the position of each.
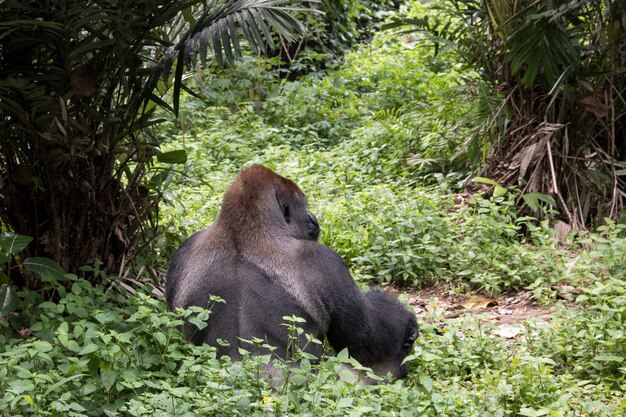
(263, 200)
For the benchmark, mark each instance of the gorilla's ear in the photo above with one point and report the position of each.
(284, 207)
(410, 334)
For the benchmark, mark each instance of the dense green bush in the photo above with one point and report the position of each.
(105, 353)
(593, 345)
(96, 352)
(390, 235)
(499, 251)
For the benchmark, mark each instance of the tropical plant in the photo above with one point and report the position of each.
(80, 166)
(553, 95)
(341, 25)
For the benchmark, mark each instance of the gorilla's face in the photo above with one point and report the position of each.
(312, 226)
(299, 222)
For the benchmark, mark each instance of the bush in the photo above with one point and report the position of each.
(96, 352)
(105, 353)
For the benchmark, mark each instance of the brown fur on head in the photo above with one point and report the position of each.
(261, 201)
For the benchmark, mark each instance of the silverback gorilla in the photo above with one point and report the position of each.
(262, 257)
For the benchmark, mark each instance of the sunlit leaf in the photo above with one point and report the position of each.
(499, 191)
(427, 382)
(483, 180)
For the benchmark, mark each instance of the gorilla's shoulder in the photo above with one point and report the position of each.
(213, 237)
(193, 238)
(321, 255)
(312, 248)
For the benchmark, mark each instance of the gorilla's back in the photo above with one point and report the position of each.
(253, 303)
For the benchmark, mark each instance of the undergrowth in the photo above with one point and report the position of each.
(376, 145)
(96, 352)
(373, 145)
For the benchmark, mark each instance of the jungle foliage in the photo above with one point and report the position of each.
(81, 171)
(97, 353)
(382, 146)
(553, 95)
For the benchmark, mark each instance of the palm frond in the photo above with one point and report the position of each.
(79, 84)
(216, 34)
(542, 42)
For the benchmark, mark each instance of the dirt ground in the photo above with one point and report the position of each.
(508, 312)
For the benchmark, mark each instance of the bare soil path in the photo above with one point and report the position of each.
(508, 311)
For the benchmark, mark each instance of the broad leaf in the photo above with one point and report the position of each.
(173, 157)
(533, 199)
(12, 243)
(45, 268)
(8, 300)
(483, 180)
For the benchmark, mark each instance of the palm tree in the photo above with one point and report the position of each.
(80, 80)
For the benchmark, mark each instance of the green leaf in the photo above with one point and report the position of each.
(42, 346)
(179, 391)
(77, 407)
(12, 243)
(531, 412)
(88, 388)
(64, 327)
(200, 324)
(105, 317)
(609, 358)
(499, 191)
(52, 307)
(8, 300)
(108, 378)
(533, 199)
(173, 157)
(343, 356)
(345, 402)
(63, 338)
(483, 180)
(73, 346)
(160, 337)
(188, 15)
(45, 268)
(90, 348)
(427, 382)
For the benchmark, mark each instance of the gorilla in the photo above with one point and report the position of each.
(261, 256)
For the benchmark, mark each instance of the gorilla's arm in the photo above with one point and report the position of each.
(373, 325)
